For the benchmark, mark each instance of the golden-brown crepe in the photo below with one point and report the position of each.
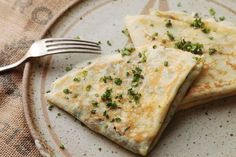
(128, 99)
(216, 41)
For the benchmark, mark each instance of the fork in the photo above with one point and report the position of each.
(52, 46)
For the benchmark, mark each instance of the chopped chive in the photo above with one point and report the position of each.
(170, 35)
(194, 48)
(93, 111)
(107, 95)
(50, 107)
(116, 120)
(168, 23)
(68, 68)
(118, 81)
(84, 73)
(212, 51)
(108, 43)
(105, 114)
(197, 23)
(95, 104)
(154, 36)
(166, 63)
(66, 91)
(206, 30)
(105, 79)
(125, 32)
(222, 18)
(212, 12)
(77, 79)
(127, 51)
(112, 104)
(62, 146)
(88, 88)
(135, 96)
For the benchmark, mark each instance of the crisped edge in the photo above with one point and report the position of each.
(178, 98)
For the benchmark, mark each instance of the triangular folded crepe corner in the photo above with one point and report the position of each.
(128, 99)
(218, 77)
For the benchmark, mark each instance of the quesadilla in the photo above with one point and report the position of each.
(128, 97)
(215, 40)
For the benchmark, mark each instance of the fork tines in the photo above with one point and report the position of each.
(57, 45)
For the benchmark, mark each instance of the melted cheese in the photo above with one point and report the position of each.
(134, 125)
(218, 76)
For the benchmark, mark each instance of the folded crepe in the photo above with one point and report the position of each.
(128, 97)
(215, 40)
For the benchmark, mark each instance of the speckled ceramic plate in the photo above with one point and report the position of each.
(209, 130)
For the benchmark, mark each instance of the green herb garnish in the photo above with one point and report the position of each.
(77, 79)
(66, 91)
(222, 18)
(68, 68)
(127, 51)
(105, 114)
(206, 30)
(125, 32)
(112, 104)
(137, 76)
(105, 79)
(95, 104)
(119, 96)
(116, 120)
(154, 36)
(108, 43)
(126, 129)
(84, 73)
(212, 12)
(50, 107)
(107, 95)
(197, 23)
(212, 51)
(170, 35)
(194, 48)
(143, 57)
(88, 87)
(154, 46)
(93, 111)
(135, 96)
(169, 23)
(166, 63)
(127, 74)
(118, 81)
(62, 146)
(196, 15)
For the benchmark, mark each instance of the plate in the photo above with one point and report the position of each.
(209, 130)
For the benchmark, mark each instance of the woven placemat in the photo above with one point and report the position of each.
(22, 22)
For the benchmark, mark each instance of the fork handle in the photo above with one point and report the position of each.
(13, 65)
